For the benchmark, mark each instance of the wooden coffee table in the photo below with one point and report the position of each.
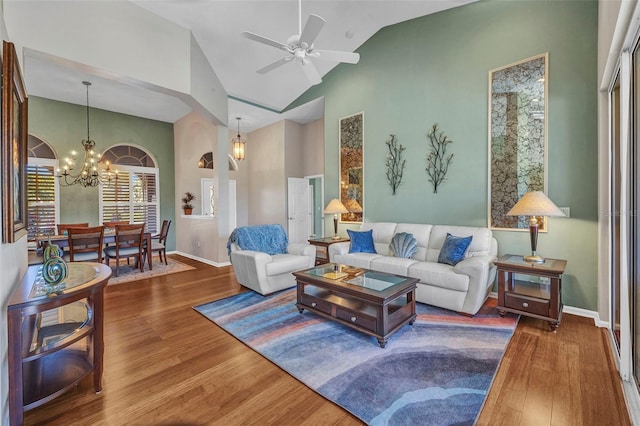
(375, 303)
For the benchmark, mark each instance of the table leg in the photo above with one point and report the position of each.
(149, 252)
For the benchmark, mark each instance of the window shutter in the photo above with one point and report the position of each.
(133, 197)
(41, 200)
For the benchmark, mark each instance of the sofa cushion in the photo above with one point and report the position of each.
(439, 275)
(403, 244)
(480, 243)
(359, 260)
(361, 241)
(392, 265)
(454, 249)
(284, 263)
(382, 234)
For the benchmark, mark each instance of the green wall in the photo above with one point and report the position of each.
(434, 69)
(64, 125)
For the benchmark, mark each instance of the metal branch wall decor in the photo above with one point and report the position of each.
(394, 162)
(437, 161)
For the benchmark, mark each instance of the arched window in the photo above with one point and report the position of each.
(43, 200)
(206, 162)
(134, 195)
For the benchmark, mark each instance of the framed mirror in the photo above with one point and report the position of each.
(517, 138)
(351, 167)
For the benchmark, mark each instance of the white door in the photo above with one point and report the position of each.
(298, 212)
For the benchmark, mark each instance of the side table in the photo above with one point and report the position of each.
(322, 247)
(532, 289)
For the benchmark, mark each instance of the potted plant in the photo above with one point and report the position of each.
(186, 202)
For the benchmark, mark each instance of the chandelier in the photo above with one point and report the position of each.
(89, 174)
(238, 144)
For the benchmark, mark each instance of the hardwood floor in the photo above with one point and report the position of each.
(165, 364)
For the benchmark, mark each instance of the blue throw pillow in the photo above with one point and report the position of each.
(453, 249)
(361, 241)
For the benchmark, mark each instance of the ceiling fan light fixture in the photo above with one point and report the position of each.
(238, 144)
(301, 45)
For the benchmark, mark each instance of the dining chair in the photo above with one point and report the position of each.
(62, 227)
(113, 224)
(128, 244)
(85, 244)
(159, 241)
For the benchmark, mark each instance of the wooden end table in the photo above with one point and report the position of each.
(322, 247)
(536, 291)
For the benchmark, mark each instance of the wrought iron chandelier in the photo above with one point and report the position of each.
(92, 173)
(238, 144)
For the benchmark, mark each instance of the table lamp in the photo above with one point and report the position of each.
(354, 207)
(335, 207)
(534, 204)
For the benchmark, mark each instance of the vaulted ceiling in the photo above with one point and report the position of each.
(217, 26)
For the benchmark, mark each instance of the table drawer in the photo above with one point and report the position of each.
(357, 318)
(527, 304)
(315, 303)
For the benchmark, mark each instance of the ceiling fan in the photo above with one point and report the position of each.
(300, 48)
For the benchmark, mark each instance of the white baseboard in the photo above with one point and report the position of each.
(200, 259)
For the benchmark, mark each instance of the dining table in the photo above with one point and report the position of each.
(62, 241)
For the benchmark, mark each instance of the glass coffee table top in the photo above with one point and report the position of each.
(373, 280)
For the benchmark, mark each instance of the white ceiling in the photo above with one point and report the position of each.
(217, 25)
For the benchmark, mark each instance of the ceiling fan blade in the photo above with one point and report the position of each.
(274, 65)
(332, 55)
(267, 41)
(311, 72)
(311, 29)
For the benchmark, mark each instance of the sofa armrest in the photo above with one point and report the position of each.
(338, 248)
(479, 269)
(250, 268)
(303, 249)
(475, 265)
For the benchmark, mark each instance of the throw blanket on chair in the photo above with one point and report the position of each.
(270, 239)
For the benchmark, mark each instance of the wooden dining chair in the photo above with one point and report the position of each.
(62, 227)
(128, 244)
(159, 241)
(113, 224)
(85, 244)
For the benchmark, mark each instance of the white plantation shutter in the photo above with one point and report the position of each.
(132, 197)
(42, 197)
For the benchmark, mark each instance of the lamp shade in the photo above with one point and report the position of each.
(335, 206)
(535, 203)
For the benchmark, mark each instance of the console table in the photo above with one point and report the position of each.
(532, 289)
(55, 340)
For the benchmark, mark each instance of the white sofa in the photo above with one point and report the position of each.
(266, 273)
(462, 288)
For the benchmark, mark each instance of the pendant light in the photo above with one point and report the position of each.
(238, 144)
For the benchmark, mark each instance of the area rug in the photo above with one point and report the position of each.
(129, 273)
(435, 372)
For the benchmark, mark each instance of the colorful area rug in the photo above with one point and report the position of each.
(437, 371)
(129, 273)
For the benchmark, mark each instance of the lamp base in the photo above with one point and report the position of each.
(336, 237)
(533, 259)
